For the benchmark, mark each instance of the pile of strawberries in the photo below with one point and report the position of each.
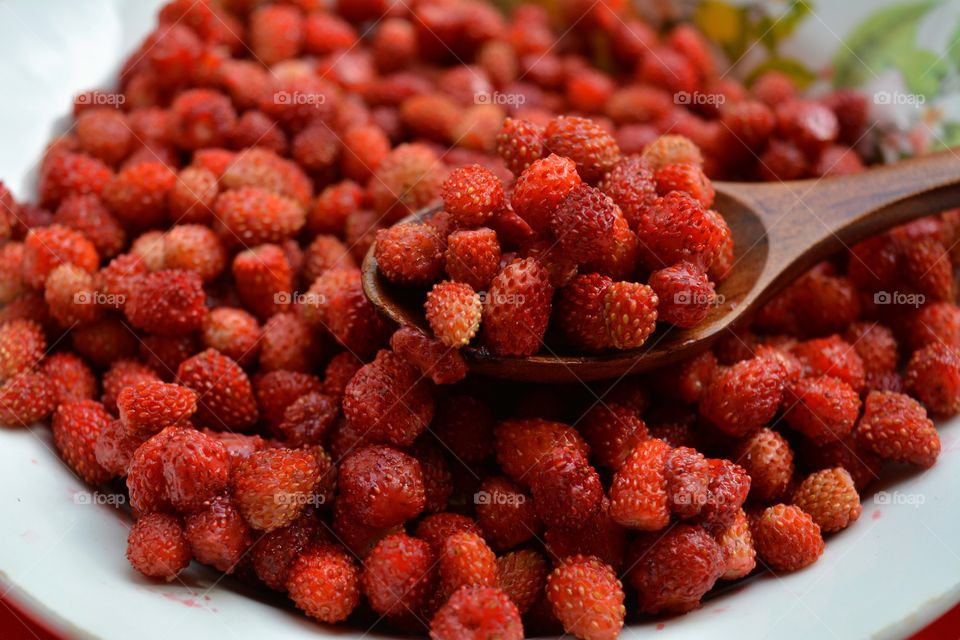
(183, 304)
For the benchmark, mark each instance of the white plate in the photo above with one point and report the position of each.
(62, 553)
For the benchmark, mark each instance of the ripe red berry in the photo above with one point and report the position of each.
(520, 144)
(399, 575)
(250, 216)
(786, 538)
(275, 551)
(933, 377)
(88, 215)
(830, 497)
(822, 408)
(592, 149)
(518, 308)
(381, 486)
(233, 332)
(472, 194)
(688, 178)
(587, 598)
(272, 487)
(675, 569)
(410, 254)
(477, 612)
(612, 430)
(435, 360)
(22, 346)
(896, 427)
(168, 302)
(833, 357)
(522, 444)
(685, 293)
(408, 178)
(324, 583)
(218, 535)
(76, 427)
(566, 489)
(137, 195)
(629, 313)
(676, 227)
(767, 457)
(46, 248)
(453, 311)
(148, 407)
(736, 545)
(744, 397)
(638, 493)
(541, 188)
(25, 399)
(505, 513)
(672, 149)
(226, 400)
(631, 185)
(466, 560)
(157, 547)
(337, 303)
(522, 575)
(473, 257)
(583, 223)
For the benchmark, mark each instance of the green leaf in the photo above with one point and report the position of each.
(877, 43)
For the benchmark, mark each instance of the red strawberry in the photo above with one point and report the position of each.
(251, 216)
(398, 575)
(46, 248)
(473, 257)
(585, 142)
(522, 575)
(324, 582)
(580, 312)
(275, 551)
(541, 187)
(225, 396)
(272, 487)
(88, 215)
(435, 360)
(517, 309)
(477, 612)
(736, 544)
(587, 598)
(137, 195)
(157, 547)
(566, 489)
(896, 427)
(786, 538)
(398, 480)
(630, 313)
(466, 560)
(167, 302)
(822, 408)
(505, 513)
(830, 497)
(520, 144)
(218, 535)
(410, 254)
(744, 397)
(147, 407)
(453, 311)
(638, 493)
(521, 445)
(767, 457)
(76, 426)
(337, 303)
(22, 346)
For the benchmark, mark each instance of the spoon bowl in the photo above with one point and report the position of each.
(780, 230)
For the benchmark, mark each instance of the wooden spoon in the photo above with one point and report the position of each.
(780, 231)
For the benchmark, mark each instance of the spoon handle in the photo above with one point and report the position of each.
(807, 220)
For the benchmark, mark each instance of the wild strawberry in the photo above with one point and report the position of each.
(810, 125)
(272, 487)
(218, 535)
(324, 253)
(437, 478)
(830, 497)
(727, 491)
(744, 397)
(583, 223)
(473, 257)
(472, 194)
(521, 445)
(466, 560)
(250, 216)
(69, 293)
(833, 357)
(668, 69)
(638, 493)
(410, 254)
(88, 215)
(103, 341)
(277, 390)
(165, 353)
(11, 260)
(148, 247)
(629, 313)
(324, 583)
(676, 227)
(22, 346)
(520, 144)
(477, 612)
(226, 398)
(435, 360)
(315, 148)
(598, 536)
(875, 344)
(685, 293)
(137, 195)
(190, 200)
(675, 569)
(308, 419)
(688, 178)
(688, 480)
(579, 312)
(264, 279)
(337, 303)
(736, 545)
(822, 408)
(168, 302)
(522, 575)
(26, 398)
(123, 373)
(364, 147)
(287, 342)
(46, 248)
(275, 551)
(896, 427)
(453, 311)
(397, 478)
(612, 431)
(672, 149)
(71, 377)
(389, 400)
(263, 169)
(147, 407)
(541, 187)
(768, 458)
(233, 332)
(566, 489)
(587, 598)
(194, 248)
(933, 377)
(586, 143)
(786, 538)
(115, 448)
(518, 308)
(505, 513)
(934, 322)
(65, 173)
(409, 178)
(398, 575)
(157, 547)
(431, 116)
(76, 426)
(630, 183)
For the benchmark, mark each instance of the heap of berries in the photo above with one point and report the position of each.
(580, 230)
(183, 306)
